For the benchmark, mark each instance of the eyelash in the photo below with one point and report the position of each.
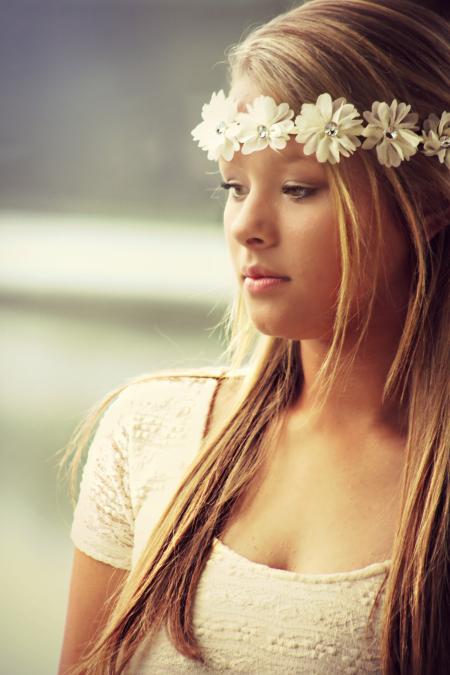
(289, 189)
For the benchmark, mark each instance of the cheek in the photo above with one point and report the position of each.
(237, 253)
(232, 245)
(312, 252)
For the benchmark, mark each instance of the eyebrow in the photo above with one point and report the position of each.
(290, 160)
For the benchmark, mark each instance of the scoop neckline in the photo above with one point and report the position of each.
(374, 569)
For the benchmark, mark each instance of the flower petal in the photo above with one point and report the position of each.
(325, 106)
(254, 144)
(277, 142)
(322, 149)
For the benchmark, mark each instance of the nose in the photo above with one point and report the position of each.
(252, 222)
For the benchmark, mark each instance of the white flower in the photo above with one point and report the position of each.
(390, 129)
(217, 132)
(265, 124)
(328, 128)
(436, 137)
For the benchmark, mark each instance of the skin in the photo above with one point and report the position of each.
(92, 583)
(298, 237)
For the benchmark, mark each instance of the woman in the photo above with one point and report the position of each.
(290, 513)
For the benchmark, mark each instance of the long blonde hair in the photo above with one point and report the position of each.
(387, 49)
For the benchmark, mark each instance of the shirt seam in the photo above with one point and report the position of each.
(207, 420)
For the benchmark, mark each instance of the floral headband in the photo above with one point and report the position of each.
(327, 128)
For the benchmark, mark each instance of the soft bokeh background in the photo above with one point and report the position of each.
(112, 259)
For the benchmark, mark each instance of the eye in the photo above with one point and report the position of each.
(231, 186)
(298, 192)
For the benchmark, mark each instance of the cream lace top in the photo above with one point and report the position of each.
(249, 617)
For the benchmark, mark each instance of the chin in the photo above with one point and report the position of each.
(280, 326)
(273, 326)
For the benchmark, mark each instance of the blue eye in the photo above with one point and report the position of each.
(294, 190)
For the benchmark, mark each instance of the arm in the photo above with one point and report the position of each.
(92, 583)
(102, 532)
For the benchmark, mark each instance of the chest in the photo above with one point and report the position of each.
(316, 510)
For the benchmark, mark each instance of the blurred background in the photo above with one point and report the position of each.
(112, 257)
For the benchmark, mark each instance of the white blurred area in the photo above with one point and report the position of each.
(79, 256)
(86, 303)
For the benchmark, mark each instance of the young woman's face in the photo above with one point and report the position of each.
(279, 214)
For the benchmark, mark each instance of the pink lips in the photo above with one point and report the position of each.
(259, 279)
(258, 271)
(263, 284)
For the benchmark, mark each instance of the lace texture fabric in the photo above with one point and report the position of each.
(103, 521)
(249, 617)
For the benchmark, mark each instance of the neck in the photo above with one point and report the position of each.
(355, 405)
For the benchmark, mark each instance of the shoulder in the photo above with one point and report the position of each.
(138, 388)
(175, 392)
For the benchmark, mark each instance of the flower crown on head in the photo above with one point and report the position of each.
(329, 128)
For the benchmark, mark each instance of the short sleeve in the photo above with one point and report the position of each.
(103, 521)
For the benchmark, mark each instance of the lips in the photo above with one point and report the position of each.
(259, 271)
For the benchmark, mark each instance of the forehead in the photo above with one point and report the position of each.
(292, 156)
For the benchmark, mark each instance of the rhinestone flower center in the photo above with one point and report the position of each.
(391, 134)
(221, 127)
(331, 129)
(262, 131)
